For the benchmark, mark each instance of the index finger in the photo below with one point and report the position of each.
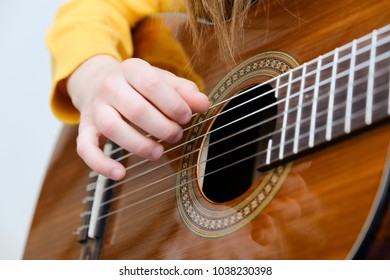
(149, 83)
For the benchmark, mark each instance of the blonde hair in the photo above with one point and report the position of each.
(227, 16)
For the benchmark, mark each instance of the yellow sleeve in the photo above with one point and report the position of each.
(84, 28)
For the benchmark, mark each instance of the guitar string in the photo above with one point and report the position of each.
(142, 188)
(323, 82)
(86, 226)
(220, 155)
(362, 50)
(280, 101)
(127, 180)
(159, 180)
(243, 130)
(322, 128)
(345, 47)
(304, 135)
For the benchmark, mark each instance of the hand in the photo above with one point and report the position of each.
(116, 97)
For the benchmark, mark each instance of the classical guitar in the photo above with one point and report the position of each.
(291, 161)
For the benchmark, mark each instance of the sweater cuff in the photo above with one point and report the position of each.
(72, 56)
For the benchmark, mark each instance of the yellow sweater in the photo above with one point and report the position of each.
(84, 28)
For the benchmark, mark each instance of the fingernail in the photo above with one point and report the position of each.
(185, 118)
(176, 138)
(115, 174)
(156, 152)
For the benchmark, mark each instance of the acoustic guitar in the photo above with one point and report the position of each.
(291, 161)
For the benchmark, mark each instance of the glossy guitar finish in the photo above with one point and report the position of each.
(327, 204)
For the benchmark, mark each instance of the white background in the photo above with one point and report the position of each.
(28, 129)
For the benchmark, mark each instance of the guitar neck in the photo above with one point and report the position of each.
(330, 97)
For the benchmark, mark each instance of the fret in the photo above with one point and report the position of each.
(307, 87)
(314, 106)
(299, 111)
(280, 86)
(338, 94)
(388, 90)
(381, 91)
(348, 109)
(331, 97)
(277, 87)
(285, 117)
(370, 83)
(381, 78)
(269, 150)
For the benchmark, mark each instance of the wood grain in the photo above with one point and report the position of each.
(324, 204)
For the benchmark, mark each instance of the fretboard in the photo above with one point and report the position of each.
(332, 96)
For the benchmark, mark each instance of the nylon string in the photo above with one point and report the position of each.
(324, 82)
(379, 105)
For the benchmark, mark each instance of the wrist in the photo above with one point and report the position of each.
(83, 79)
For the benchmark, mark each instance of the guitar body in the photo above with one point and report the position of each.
(328, 203)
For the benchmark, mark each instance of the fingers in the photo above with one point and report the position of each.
(124, 99)
(175, 97)
(89, 151)
(142, 114)
(188, 90)
(111, 125)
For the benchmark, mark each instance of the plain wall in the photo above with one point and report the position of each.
(28, 128)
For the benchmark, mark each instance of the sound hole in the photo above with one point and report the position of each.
(230, 168)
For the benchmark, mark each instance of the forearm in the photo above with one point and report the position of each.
(83, 29)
